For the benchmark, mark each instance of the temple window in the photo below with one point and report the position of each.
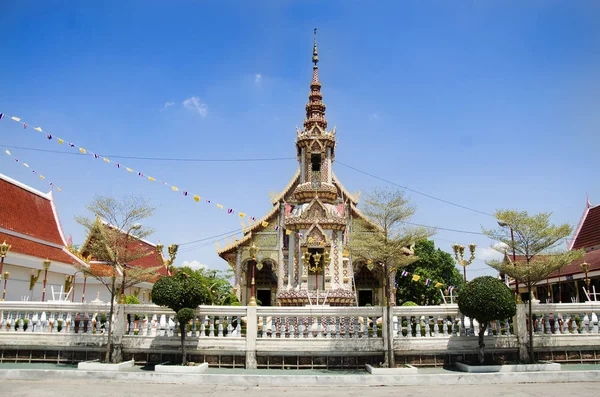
(315, 160)
(286, 241)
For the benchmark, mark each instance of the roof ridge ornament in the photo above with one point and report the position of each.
(315, 108)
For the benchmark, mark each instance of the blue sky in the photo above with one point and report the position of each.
(490, 104)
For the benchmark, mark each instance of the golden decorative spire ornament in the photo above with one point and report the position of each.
(315, 108)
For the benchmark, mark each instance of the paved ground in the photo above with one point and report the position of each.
(113, 389)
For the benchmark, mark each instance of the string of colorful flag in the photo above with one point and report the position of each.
(427, 282)
(26, 165)
(197, 198)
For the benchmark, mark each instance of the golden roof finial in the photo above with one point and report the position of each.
(315, 57)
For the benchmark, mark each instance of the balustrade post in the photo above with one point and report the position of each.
(520, 330)
(118, 329)
(251, 334)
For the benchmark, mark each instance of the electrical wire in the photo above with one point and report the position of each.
(414, 191)
(183, 159)
(209, 238)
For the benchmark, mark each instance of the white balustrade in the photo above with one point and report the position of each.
(565, 318)
(53, 318)
(319, 322)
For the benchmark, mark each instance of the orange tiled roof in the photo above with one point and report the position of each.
(588, 232)
(26, 212)
(39, 250)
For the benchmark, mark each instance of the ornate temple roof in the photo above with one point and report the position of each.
(30, 223)
(315, 109)
(153, 259)
(587, 234)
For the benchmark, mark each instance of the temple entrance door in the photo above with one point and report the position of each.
(365, 297)
(264, 296)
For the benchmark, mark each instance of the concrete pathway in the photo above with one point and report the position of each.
(97, 388)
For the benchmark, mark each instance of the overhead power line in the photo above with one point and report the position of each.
(413, 190)
(211, 237)
(184, 159)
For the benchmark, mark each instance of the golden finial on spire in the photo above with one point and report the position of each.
(315, 57)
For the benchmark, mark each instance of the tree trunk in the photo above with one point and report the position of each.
(480, 351)
(389, 359)
(182, 328)
(110, 321)
(531, 358)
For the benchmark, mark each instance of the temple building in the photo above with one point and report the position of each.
(297, 253)
(35, 262)
(579, 281)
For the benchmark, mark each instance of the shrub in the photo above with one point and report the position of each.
(181, 293)
(486, 299)
(409, 303)
(132, 300)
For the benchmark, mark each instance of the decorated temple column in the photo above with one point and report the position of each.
(291, 254)
(238, 274)
(329, 176)
(280, 262)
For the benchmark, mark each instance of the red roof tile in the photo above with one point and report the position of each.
(588, 234)
(28, 213)
(591, 257)
(38, 250)
(137, 246)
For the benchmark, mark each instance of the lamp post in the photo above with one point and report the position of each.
(253, 254)
(459, 255)
(137, 226)
(6, 274)
(85, 276)
(46, 264)
(4, 248)
(514, 256)
(586, 268)
(172, 254)
(317, 257)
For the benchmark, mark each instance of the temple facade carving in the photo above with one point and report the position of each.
(301, 257)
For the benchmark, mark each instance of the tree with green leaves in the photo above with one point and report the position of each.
(536, 242)
(110, 234)
(182, 292)
(384, 239)
(433, 264)
(486, 299)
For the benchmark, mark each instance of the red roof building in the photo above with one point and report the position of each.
(567, 285)
(149, 259)
(29, 223)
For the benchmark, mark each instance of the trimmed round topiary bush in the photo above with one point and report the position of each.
(486, 299)
(409, 303)
(181, 293)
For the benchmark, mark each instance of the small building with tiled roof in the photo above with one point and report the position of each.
(567, 285)
(30, 225)
(146, 256)
(296, 254)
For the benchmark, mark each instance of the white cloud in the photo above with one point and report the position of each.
(487, 253)
(194, 265)
(167, 104)
(257, 79)
(193, 103)
(373, 116)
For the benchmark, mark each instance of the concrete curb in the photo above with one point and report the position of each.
(309, 380)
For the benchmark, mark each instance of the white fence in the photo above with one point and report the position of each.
(309, 330)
